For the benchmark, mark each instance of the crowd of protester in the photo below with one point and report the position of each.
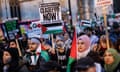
(39, 54)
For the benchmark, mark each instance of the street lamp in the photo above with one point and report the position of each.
(70, 13)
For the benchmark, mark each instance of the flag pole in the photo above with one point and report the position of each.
(18, 47)
(105, 25)
(53, 44)
(73, 51)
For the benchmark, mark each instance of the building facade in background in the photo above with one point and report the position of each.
(116, 4)
(86, 9)
(29, 9)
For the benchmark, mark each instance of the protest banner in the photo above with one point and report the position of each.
(12, 27)
(35, 30)
(50, 17)
(104, 4)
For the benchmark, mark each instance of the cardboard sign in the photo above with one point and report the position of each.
(35, 30)
(50, 11)
(50, 17)
(99, 3)
(12, 28)
(11, 25)
(24, 28)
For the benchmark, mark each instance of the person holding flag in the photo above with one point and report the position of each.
(73, 53)
(79, 49)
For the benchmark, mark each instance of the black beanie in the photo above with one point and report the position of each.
(84, 63)
(50, 65)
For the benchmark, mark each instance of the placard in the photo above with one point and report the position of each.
(50, 11)
(99, 3)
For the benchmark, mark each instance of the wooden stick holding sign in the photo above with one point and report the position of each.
(53, 44)
(105, 24)
(18, 47)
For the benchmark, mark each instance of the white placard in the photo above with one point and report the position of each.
(35, 30)
(50, 12)
(99, 3)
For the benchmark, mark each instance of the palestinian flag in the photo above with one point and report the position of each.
(86, 23)
(73, 53)
(53, 28)
(44, 29)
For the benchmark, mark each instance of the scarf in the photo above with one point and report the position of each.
(35, 57)
(83, 54)
(116, 56)
(86, 40)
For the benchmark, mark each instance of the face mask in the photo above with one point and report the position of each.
(8, 60)
(60, 45)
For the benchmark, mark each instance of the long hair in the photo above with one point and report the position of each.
(103, 40)
(14, 63)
